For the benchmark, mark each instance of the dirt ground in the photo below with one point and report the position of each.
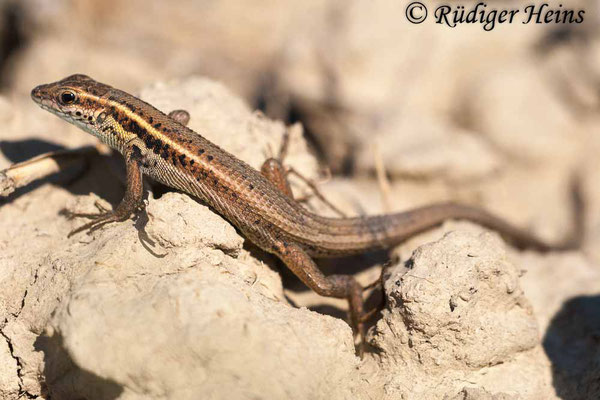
(177, 305)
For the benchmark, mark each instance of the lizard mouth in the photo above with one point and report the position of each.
(40, 96)
(37, 95)
(47, 105)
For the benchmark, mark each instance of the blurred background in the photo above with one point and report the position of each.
(459, 113)
(502, 119)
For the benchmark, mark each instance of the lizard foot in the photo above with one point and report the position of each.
(103, 217)
(98, 220)
(72, 215)
(377, 283)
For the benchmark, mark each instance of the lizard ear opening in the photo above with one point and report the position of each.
(67, 97)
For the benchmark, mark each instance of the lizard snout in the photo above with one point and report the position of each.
(36, 93)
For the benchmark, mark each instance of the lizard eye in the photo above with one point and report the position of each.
(67, 97)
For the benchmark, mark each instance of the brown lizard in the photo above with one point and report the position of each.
(259, 204)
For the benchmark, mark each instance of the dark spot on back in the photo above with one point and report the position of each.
(182, 159)
(149, 141)
(209, 158)
(165, 151)
(134, 127)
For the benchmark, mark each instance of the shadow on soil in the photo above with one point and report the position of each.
(572, 342)
(64, 380)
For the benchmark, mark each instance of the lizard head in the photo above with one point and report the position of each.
(75, 99)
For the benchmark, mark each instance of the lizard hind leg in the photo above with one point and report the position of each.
(274, 170)
(338, 286)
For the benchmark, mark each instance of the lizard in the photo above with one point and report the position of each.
(259, 204)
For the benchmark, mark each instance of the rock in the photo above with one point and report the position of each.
(210, 231)
(207, 329)
(469, 393)
(455, 309)
(9, 386)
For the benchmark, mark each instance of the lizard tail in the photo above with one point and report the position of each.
(430, 216)
(342, 236)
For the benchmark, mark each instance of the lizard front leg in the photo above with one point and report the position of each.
(131, 201)
(133, 192)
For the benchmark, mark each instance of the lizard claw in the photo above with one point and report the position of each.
(377, 283)
(98, 221)
(368, 315)
(72, 215)
(100, 207)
